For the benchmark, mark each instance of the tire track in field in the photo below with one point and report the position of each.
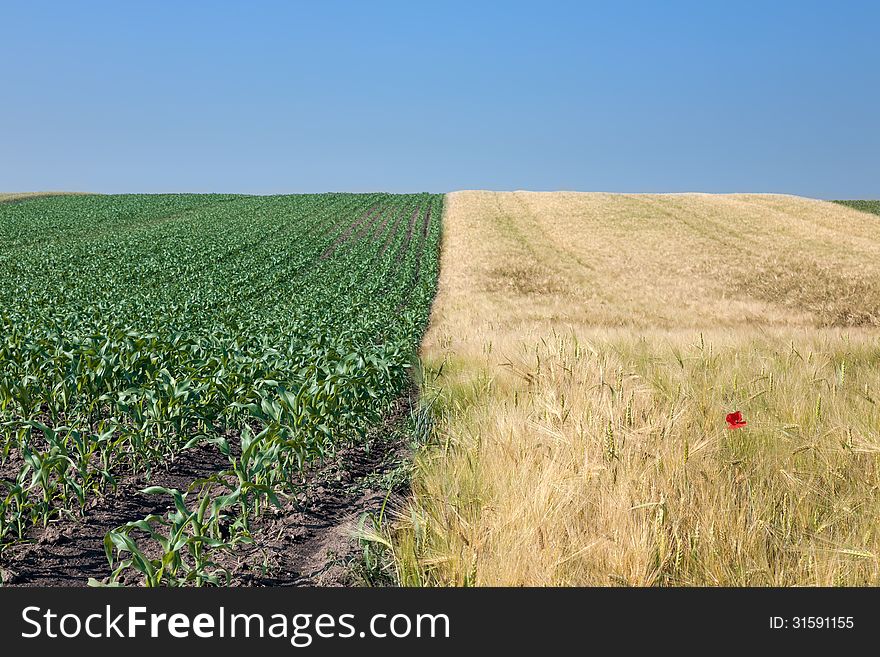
(364, 277)
(342, 239)
(401, 252)
(382, 290)
(380, 230)
(311, 539)
(292, 274)
(392, 233)
(420, 256)
(248, 282)
(368, 230)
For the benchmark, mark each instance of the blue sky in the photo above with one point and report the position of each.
(271, 97)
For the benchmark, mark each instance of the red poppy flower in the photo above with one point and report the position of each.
(735, 420)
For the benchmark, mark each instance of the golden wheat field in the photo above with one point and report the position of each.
(583, 352)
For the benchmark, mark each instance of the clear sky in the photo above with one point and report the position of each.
(270, 97)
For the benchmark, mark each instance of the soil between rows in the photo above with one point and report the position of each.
(309, 541)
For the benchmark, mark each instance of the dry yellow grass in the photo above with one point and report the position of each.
(583, 352)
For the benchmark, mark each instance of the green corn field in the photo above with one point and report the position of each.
(134, 327)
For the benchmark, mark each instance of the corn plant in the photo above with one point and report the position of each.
(132, 325)
(188, 537)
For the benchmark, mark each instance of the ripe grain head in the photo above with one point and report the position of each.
(587, 347)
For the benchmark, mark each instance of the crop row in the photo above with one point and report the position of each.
(133, 327)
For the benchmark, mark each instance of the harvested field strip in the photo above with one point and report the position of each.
(137, 329)
(583, 352)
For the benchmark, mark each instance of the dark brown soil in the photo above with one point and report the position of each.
(309, 541)
(70, 550)
(312, 541)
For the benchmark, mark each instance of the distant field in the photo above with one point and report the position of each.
(865, 206)
(20, 196)
(219, 347)
(583, 353)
